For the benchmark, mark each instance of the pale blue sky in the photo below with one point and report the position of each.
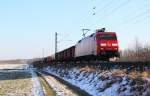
(28, 26)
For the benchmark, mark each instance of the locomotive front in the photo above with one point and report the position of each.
(107, 44)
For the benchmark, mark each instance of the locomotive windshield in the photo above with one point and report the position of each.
(108, 36)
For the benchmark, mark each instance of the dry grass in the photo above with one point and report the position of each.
(144, 75)
(88, 69)
(15, 83)
(120, 73)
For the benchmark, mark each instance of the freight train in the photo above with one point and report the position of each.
(100, 45)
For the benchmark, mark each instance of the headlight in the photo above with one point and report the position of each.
(103, 44)
(114, 44)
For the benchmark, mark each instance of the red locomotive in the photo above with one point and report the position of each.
(100, 45)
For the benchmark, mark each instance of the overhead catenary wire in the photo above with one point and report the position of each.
(117, 8)
(102, 12)
(91, 11)
(67, 34)
(58, 42)
(64, 37)
(112, 11)
(101, 9)
(130, 18)
(105, 7)
(122, 4)
(134, 19)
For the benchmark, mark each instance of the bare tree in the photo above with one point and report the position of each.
(137, 53)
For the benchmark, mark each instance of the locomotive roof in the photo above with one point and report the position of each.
(66, 49)
(97, 33)
(105, 32)
(86, 37)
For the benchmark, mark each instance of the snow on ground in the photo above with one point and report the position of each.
(60, 89)
(15, 83)
(37, 88)
(14, 66)
(26, 82)
(19, 82)
(104, 82)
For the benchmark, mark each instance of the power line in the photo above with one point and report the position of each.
(140, 15)
(112, 11)
(93, 12)
(117, 8)
(103, 10)
(64, 37)
(105, 6)
(134, 19)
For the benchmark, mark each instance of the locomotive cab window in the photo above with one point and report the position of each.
(79, 41)
(107, 37)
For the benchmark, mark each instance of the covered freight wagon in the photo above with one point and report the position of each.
(67, 54)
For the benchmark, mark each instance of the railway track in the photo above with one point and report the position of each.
(129, 66)
(48, 91)
(74, 91)
(133, 69)
(138, 66)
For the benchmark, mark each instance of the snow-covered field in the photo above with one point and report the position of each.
(14, 66)
(15, 83)
(59, 88)
(36, 88)
(27, 83)
(19, 82)
(105, 82)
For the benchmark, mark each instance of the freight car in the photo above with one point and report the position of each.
(66, 55)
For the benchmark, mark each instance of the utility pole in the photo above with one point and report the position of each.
(43, 54)
(84, 33)
(56, 45)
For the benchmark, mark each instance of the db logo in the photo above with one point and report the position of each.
(108, 44)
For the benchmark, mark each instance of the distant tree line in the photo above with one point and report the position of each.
(137, 53)
(17, 61)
